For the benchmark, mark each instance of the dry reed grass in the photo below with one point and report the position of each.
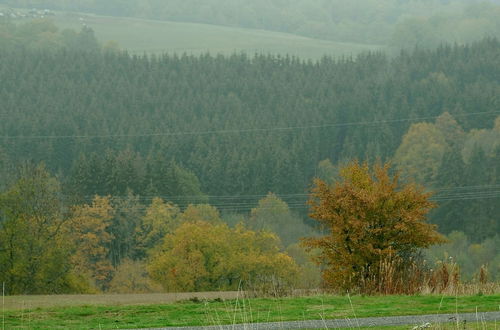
(394, 276)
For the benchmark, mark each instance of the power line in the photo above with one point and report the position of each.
(224, 202)
(292, 204)
(248, 130)
(467, 187)
(303, 206)
(260, 196)
(479, 195)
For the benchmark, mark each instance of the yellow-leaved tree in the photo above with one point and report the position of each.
(200, 212)
(423, 147)
(203, 256)
(89, 228)
(375, 228)
(161, 218)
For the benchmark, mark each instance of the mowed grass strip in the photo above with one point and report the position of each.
(190, 313)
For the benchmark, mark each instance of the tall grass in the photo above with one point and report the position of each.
(3, 305)
(393, 276)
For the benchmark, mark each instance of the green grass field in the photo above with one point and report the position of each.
(217, 312)
(140, 35)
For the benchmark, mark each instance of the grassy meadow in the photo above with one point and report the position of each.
(196, 312)
(140, 35)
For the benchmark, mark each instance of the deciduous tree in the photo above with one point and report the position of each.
(274, 215)
(206, 256)
(370, 218)
(161, 218)
(34, 250)
(90, 228)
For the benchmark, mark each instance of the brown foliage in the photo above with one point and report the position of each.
(89, 228)
(375, 225)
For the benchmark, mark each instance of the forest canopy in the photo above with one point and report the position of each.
(229, 130)
(107, 159)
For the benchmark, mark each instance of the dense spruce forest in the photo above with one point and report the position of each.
(109, 162)
(239, 127)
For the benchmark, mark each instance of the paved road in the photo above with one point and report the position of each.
(411, 321)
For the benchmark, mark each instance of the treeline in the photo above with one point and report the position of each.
(461, 26)
(127, 244)
(462, 167)
(387, 22)
(467, 257)
(42, 34)
(228, 130)
(117, 173)
(130, 245)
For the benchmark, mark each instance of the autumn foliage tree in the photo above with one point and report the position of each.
(34, 248)
(161, 218)
(205, 256)
(375, 227)
(90, 230)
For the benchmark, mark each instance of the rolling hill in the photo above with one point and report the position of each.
(150, 36)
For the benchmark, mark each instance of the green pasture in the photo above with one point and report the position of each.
(216, 312)
(150, 36)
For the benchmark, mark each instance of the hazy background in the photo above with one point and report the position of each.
(334, 27)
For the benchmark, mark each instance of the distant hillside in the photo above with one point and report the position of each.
(367, 21)
(141, 35)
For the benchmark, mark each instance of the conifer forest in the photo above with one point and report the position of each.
(112, 162)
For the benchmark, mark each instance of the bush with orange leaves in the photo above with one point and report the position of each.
(370, 220)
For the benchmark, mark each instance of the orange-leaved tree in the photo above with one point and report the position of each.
(375, 227)
(90, 230)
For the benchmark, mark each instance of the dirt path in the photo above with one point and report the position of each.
(412, 321)
(32, 302)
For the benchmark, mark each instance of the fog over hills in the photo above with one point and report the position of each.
(390, 22)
